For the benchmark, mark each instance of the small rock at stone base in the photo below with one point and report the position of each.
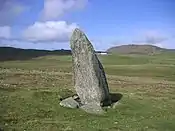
(69, 102)
(114, 105)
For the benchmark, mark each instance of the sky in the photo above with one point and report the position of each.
(48, 24)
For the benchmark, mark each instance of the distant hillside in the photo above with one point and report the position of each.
(138, 49)
(10, 53)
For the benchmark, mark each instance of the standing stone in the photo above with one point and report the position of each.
(89, 76)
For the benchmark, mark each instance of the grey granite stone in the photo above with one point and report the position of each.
(89, 76)
(92, 108)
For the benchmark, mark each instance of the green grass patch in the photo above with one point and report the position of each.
(30, 93)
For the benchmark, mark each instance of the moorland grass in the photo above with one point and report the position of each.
(30, 91)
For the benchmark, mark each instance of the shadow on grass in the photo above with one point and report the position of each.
(115, 97)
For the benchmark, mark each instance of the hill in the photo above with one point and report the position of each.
(138, 49)
(10, 53)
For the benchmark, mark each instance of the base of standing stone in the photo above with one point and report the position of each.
(92, 108)
(74, 102)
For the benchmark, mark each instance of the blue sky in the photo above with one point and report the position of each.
(48, 24)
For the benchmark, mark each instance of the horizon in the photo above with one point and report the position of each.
(48, 24)
(95, 50)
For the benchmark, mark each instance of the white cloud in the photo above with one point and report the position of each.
(154, 37)
(159, 45)
(56, 8)
(59, 31)
(5, 32)
(49, 31)
(9, 9)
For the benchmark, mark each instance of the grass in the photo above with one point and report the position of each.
(30, 92)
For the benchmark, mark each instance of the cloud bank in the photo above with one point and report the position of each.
(48, 30)
(53, 9)
(59, 31)
(153, 37)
